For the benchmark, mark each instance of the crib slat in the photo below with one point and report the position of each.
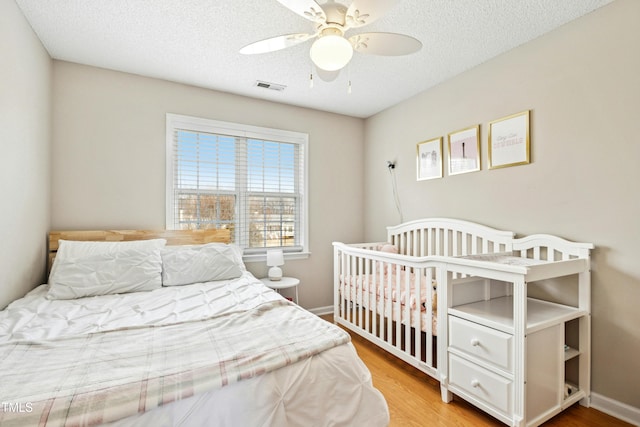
(343, 296)
(445, 250)
(359, 291)
(429, 318)
(417, 312)
(374, 295)
(454, 243)
(379, 291)
(465, 244)
(345, 299)
(407, 310)
(388, 312)
(348, 302)
(397, 308)
(350, 271)
(367, 305)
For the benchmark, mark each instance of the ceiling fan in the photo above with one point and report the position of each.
(332, 50)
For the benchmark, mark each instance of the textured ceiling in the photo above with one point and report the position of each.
(197, 41)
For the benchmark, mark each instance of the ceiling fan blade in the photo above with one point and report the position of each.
(308, 9)
(327, 76)
(363, 12)
(275, 43)
(387, 44)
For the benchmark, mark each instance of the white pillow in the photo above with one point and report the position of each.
(184, 265)
(83, 269)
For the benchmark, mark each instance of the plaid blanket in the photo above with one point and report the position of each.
(105, 376)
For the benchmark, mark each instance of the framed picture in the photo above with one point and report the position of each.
(509, 142)
(464, 150)
(429, 159)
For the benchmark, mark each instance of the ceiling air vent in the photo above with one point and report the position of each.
(271, 86)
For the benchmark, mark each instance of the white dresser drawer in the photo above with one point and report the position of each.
(487, 344)
(482, 384)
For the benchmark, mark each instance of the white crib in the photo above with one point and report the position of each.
(519, 357)
(390, 299)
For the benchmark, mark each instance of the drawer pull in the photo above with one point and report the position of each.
(475, 342)
(475, 383)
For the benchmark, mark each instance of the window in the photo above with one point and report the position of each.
(248, 179)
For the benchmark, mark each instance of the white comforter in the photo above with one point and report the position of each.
(331, 387)
(36, 318)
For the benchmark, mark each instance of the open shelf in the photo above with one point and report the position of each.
(570, 353)
(497, 313)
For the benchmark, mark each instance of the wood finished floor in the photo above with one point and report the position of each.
(414, 397)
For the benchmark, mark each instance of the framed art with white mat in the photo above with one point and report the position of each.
(509, 141)
(429, 159)
(464, 150)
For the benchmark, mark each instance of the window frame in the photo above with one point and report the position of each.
(197, 124)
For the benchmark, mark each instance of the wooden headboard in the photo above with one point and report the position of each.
(173, 237)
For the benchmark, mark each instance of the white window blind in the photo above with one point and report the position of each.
(248, 179)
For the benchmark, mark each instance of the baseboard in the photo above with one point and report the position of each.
(616, 409)
(319, 311)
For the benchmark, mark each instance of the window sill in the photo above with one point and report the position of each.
(287, 256)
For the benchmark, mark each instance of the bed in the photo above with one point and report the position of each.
(168, 328)
(377, 285)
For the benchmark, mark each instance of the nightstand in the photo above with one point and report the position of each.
(284, 283)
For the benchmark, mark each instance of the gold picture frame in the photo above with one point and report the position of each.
(510, 141)
(429, 159)
(464, 150)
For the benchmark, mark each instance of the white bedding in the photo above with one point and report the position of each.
(35, 318)
(329, 388)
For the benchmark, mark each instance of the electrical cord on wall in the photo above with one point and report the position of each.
(394, 185)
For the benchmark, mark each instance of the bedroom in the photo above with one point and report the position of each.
(580, 81)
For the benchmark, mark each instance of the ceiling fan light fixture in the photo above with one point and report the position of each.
(331, 52)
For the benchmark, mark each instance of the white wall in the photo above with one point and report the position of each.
(582, 85)
(25, 126)
(109, 159)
